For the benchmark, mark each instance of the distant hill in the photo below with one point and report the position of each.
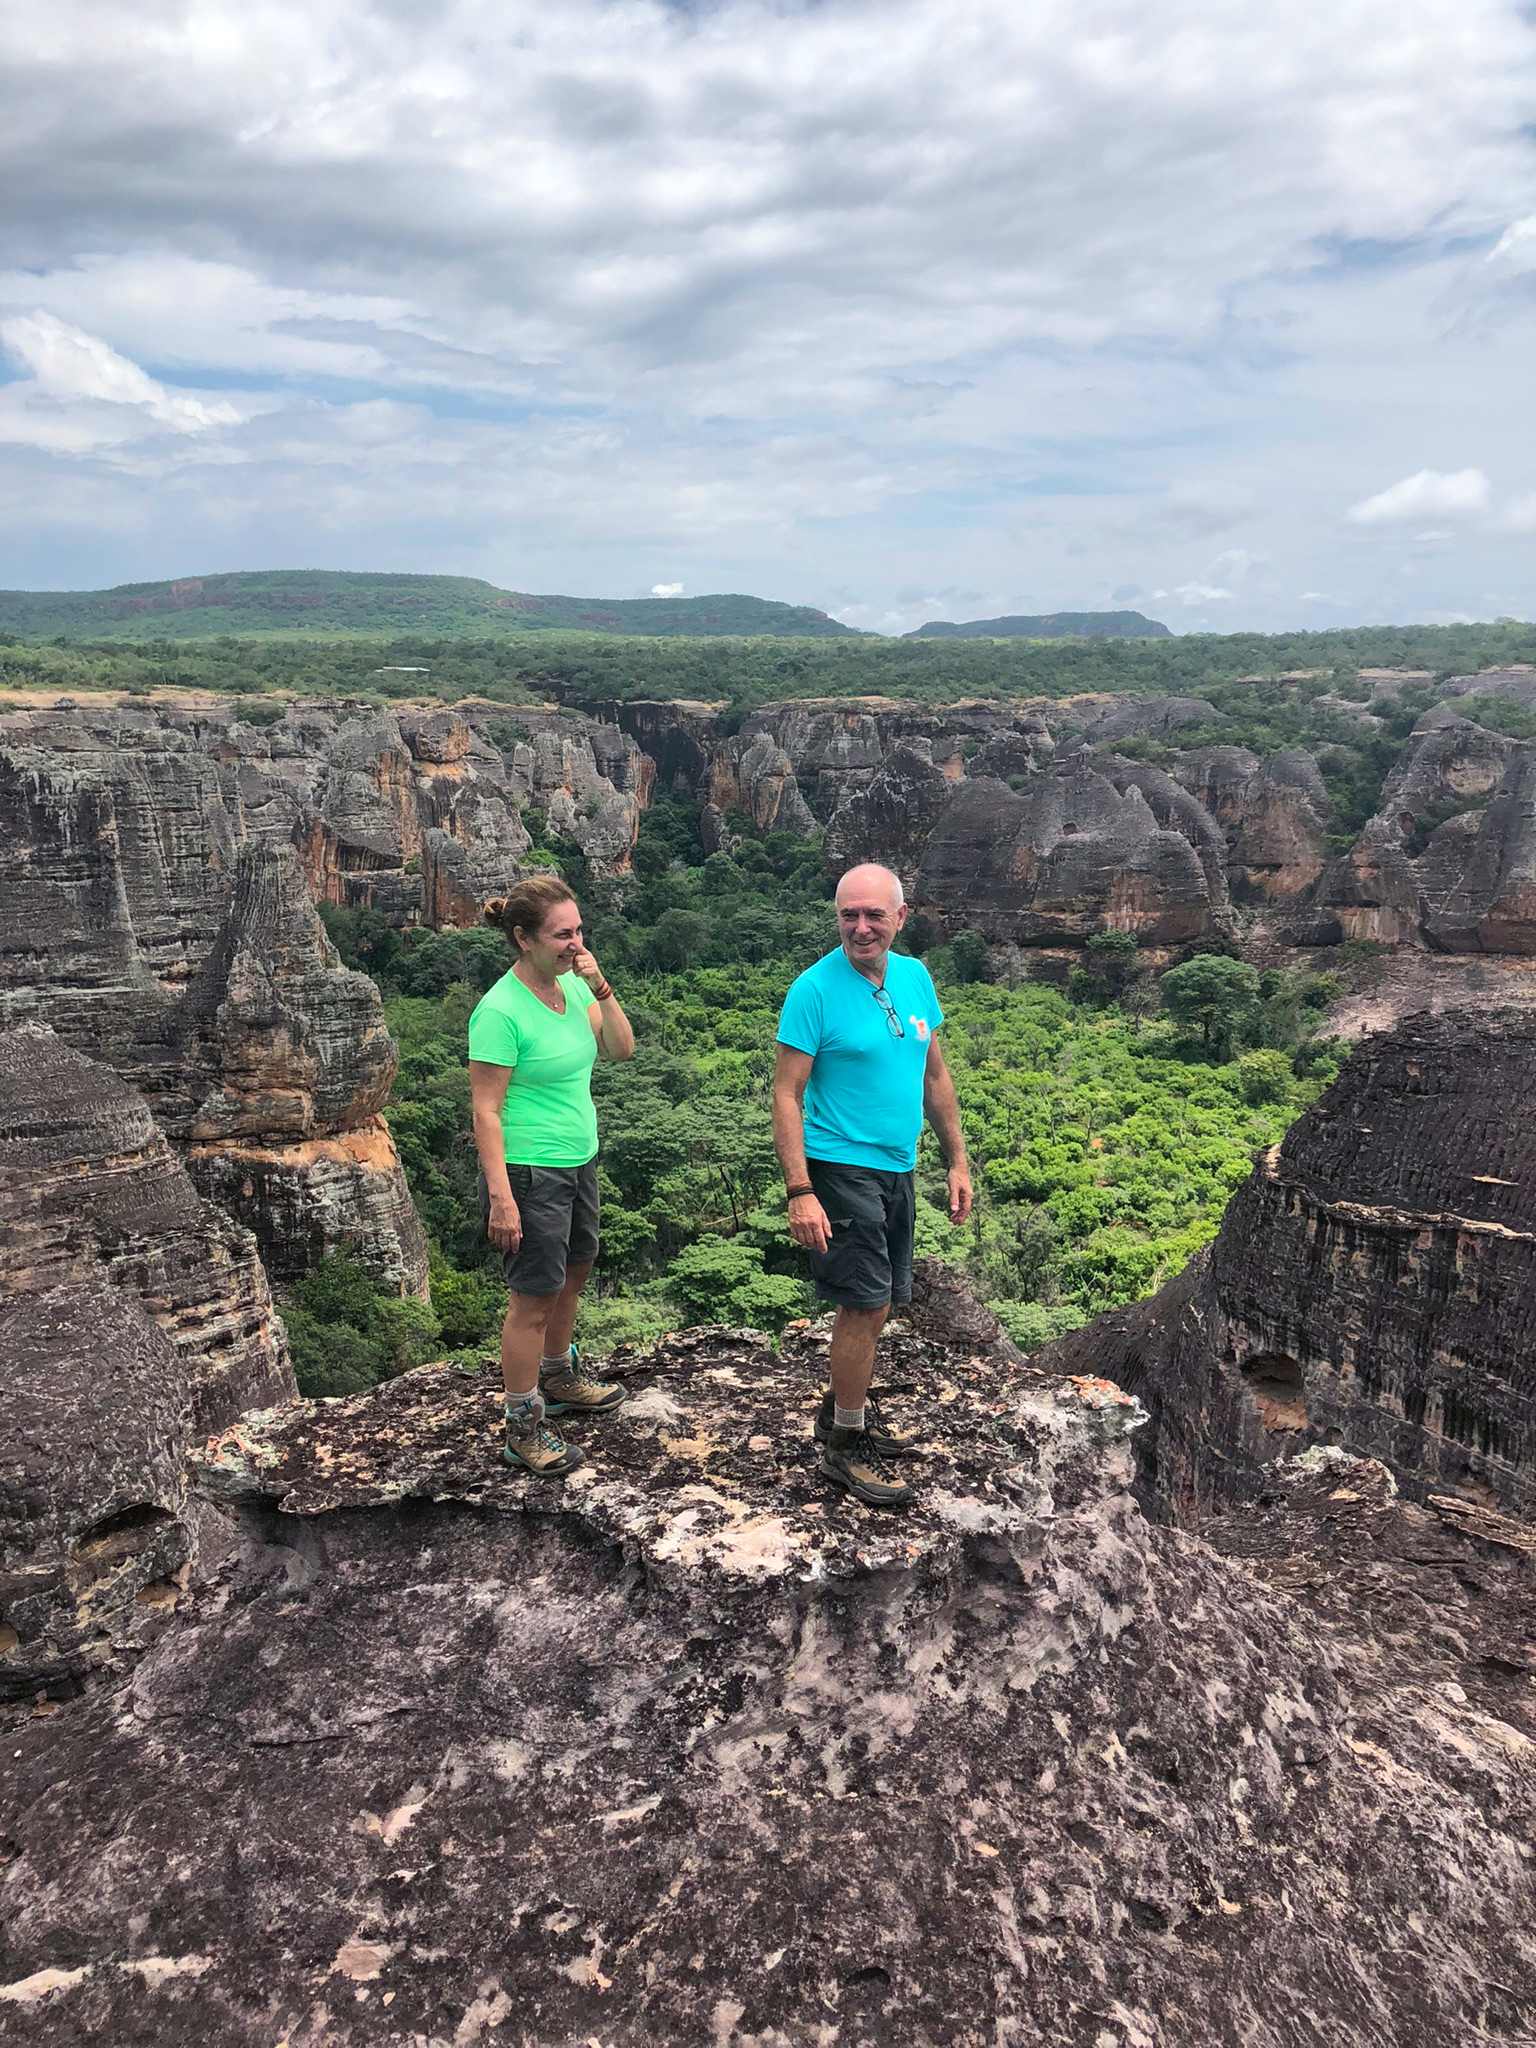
(335, 601)
(1049, 626)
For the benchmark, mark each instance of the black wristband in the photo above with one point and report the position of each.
(793, 1194)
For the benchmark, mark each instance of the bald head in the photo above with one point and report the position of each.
(869, 880)
(871, 910)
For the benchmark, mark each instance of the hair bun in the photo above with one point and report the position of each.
(495, 909)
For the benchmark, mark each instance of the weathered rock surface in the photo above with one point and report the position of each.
(419, 814)
(986, 793)
(144, 919)
(136, 1319)
(416, 813)
(693, 1751)
(1373, 1285)
(1449, 858)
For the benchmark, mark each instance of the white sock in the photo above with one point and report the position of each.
(525, 1414)
(558, 1363)
(847, 1418)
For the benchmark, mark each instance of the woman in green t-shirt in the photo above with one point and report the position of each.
(533, 1039)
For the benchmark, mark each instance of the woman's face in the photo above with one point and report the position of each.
(558, 941)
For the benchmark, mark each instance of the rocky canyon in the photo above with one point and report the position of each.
(1193, 1706)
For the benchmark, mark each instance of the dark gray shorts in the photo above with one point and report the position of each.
(558, 1205)
(869, 1261)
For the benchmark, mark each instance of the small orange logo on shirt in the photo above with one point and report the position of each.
(920, 1026)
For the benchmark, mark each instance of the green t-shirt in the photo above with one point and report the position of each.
(548, 1118)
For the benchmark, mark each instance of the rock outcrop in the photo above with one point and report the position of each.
(415, 813)
(137, 1319)
(693, 1751)
(142, 919)
(1063, 854)
(419, 814)
(1449, 860)
(1373, 1285)
(988, 794)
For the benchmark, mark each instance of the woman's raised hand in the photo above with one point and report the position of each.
(585, 964)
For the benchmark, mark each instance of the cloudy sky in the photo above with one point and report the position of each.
(905, 310)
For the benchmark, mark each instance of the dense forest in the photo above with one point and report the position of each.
(740, 674)
(340, 601)
(1107, 1125)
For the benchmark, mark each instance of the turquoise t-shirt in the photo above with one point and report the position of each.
(548, 1117)
(864, 1099)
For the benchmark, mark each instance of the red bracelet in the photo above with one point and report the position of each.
(601, 995)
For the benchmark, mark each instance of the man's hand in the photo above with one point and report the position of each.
(808, 1223)
(960, 1194)
(505, 1229)
(585, 964)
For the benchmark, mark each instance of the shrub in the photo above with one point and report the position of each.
(1265, 1076)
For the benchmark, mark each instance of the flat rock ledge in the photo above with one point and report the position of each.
(691, 1750)
(708, 1471)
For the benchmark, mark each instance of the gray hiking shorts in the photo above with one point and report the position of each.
(869, 1260)
(558, 1205)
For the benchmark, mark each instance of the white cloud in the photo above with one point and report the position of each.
(1236, 565)
(545, 292)
(1435, 493)
(1520, 514)
(666, 590)
(1515, 251)
(67, 363)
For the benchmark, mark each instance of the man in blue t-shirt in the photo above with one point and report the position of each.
(858, 1067)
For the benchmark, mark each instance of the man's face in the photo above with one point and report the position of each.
(868, 922)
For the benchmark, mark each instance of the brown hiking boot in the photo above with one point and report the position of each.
(545, 1453)
(850, 1460)
(573, 1390)
(885, 1442)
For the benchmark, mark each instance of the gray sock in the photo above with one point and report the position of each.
(558, 1363)
(847, 1418)
(525, 1415)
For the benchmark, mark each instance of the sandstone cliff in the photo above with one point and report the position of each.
(691, 1752)
(143, 919)
(414, 813)
(421, 814)
(137, 1319)
(1449, 860)
(1373, 1285)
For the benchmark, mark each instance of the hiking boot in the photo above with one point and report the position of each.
(886, 1445)
(545, 1453)
(849, 1460)
(572, 1390)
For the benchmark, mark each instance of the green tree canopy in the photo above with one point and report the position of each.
(1214, 996)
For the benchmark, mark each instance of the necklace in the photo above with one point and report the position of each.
(557, 1004)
